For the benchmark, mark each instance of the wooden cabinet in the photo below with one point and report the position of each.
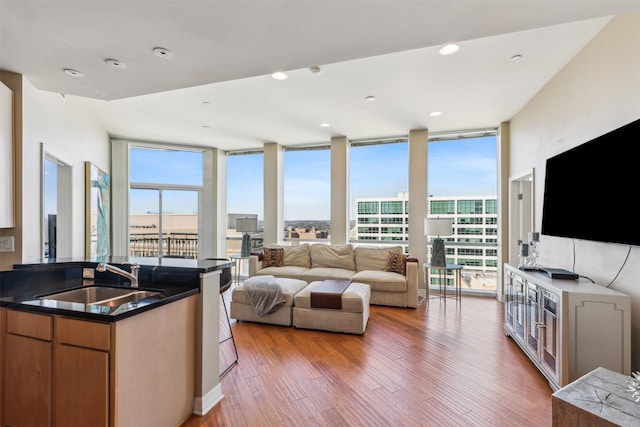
(563, 325)
(56, 371)
(28, 369)
(81, 370)
(62, 371)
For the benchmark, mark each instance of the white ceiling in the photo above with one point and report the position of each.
(217, 90)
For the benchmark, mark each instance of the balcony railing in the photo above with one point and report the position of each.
(181, 245)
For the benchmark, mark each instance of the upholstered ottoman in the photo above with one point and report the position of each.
(241, 308)
(351, 318)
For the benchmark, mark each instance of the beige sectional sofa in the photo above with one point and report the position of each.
(392, 277)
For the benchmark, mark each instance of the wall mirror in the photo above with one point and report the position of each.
(98, 211)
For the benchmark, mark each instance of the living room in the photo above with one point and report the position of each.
(598, 90)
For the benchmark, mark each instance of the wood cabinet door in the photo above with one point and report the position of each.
(27, 381)
(81, 391)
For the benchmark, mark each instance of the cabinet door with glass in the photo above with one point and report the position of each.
(549, 337)
(515, 306)
(532, 336)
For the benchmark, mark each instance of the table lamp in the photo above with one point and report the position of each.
(246, 225)
(438, 227)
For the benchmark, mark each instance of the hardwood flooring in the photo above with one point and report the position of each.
(430, 366)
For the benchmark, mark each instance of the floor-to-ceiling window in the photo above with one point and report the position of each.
(379, 204)
(245, 196)
(164, 199)
(307, 193)
(462, 186)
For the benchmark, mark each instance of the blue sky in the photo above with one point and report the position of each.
(456, 168)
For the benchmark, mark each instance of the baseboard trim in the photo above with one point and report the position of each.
(202, 405)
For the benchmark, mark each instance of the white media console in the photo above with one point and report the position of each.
(567, 327)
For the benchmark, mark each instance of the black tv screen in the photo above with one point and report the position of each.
(592, 191)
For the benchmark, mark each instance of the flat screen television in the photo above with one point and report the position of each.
(592, 191)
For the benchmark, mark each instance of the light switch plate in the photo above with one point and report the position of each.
(6, 244)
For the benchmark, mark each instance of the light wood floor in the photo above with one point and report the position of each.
(428, 366)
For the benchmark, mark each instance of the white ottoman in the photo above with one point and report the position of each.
(352, 318)
(241, 308)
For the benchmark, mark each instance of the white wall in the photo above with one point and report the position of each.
(596, 92)
(71, 134)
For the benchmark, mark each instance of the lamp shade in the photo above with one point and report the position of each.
(247, 224)
(437, 226)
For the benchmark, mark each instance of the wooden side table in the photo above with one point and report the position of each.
(599, 398)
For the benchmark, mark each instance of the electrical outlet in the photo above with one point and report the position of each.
(6, 244)
(88, 273)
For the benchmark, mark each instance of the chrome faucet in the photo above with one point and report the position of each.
(133, 276)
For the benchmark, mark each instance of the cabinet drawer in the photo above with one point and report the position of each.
(83, 333)
(32, 325)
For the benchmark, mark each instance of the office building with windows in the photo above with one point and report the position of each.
(474, 236)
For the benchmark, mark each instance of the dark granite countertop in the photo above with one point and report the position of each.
(24, 287)
(201, 265)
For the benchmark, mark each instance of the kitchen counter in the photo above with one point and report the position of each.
(23, 288)
(76, 363)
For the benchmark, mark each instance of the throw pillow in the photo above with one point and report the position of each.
(273, 257)
(397, 263)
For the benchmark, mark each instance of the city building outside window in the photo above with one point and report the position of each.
(307, 193)
(165, 190)
(462, 185)
(379, 199)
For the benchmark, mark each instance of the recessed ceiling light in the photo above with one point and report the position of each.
(205, 102)
(517, 57)
(370, 98)
(279, 75)
(116, 64)
(162, 52)
(449, 49)
(315, 69)
(72, 72)
(435, 113)
(325, 125)
(205, 126)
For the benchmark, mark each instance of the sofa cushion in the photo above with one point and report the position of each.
(332, 256)
(397, 263)
(326, 273)
(381, 281)
(296, 255)
(290, 271)
(374, 258)
(272, 257)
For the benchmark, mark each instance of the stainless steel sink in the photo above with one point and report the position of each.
(101, 295)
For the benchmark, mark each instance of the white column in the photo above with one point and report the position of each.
(418, 145)
(273, 193)
(212, 213)
(502, 151)
(339, 232)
